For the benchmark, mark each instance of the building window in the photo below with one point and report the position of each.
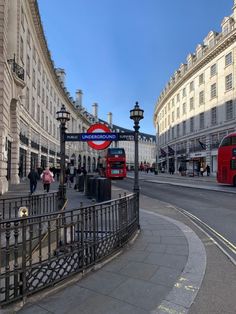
(38, 114)
(47, 123)
(213, 116)
(47, 101)
(42, 119)
(168, 119)
(228, 82)
(28, 38)
(184, 127)
(173, 132)
(228, 59)
(177, 97)
(201, 79)
(43, 95)
(39, 65)
(33, 108)
(213, 69)
(22, 50)
(27, 104)
(229, 110)
(22, 18)
(173, 102)
(28, 65)
(184, 108)
(34, 53)
(184, 92)
(191, 86)
(178, 130)
(177, 113)
(38, 88)
(172, 116)
(33, 78)
(191, 103)
(201, 98)
(213, 90)
(201, 120)
(191, 124)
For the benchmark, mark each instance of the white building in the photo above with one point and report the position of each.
(196, 109)
(32, 90)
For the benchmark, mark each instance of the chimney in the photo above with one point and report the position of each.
(109, 118)
(78, 100)
(234, 11)
(61, 75)
(95, 110)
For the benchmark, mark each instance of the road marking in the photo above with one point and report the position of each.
(195, 220)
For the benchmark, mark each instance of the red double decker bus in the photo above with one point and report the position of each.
(226, 172)
(115, 163)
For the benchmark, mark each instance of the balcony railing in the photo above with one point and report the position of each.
(24, 139)
(44, 149)
(17, 69)
(51, 152)
(34, 145)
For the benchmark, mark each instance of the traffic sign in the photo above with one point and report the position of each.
(98, 144)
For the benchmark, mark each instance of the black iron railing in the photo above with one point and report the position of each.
(24, 139)
(34, 145)
(44, 149)
(37, 205)
(17, 69)
(38, 251)
(51, 152)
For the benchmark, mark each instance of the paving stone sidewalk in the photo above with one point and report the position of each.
(148, 276)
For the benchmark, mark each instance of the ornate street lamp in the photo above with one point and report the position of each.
(63, 116)
(136, 114)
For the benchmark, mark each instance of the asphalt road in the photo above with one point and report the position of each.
(217, 209)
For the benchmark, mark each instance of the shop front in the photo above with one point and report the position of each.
(22, 163)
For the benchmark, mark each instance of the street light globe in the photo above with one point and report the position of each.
(136, 113)
(63, 115)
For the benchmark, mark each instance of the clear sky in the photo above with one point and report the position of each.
(122, 51)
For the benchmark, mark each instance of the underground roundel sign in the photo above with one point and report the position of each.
(99, 128)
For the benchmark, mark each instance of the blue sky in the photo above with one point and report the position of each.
(122, 51)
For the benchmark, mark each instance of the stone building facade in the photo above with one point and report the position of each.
(32, 90)
(196, 109)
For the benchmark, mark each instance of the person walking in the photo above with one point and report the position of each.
(201, 170)
(208, 170)
(33, 177)
(47, 177)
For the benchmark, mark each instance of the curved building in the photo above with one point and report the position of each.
(196, 109)
(32, 90)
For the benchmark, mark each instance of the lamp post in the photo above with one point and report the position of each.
(62, 116)
(136, 114)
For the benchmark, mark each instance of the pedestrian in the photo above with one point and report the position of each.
(33, 177)
(201, 170)
(208, 170)
(47, 177)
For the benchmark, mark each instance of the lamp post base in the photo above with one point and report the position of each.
(61, 196)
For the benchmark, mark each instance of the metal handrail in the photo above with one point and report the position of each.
(39, 251)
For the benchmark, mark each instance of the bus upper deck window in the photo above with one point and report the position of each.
(226, 142)
(233, 140)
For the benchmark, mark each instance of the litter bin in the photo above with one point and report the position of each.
(81, 183)
(87, 183)
(103, 189)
